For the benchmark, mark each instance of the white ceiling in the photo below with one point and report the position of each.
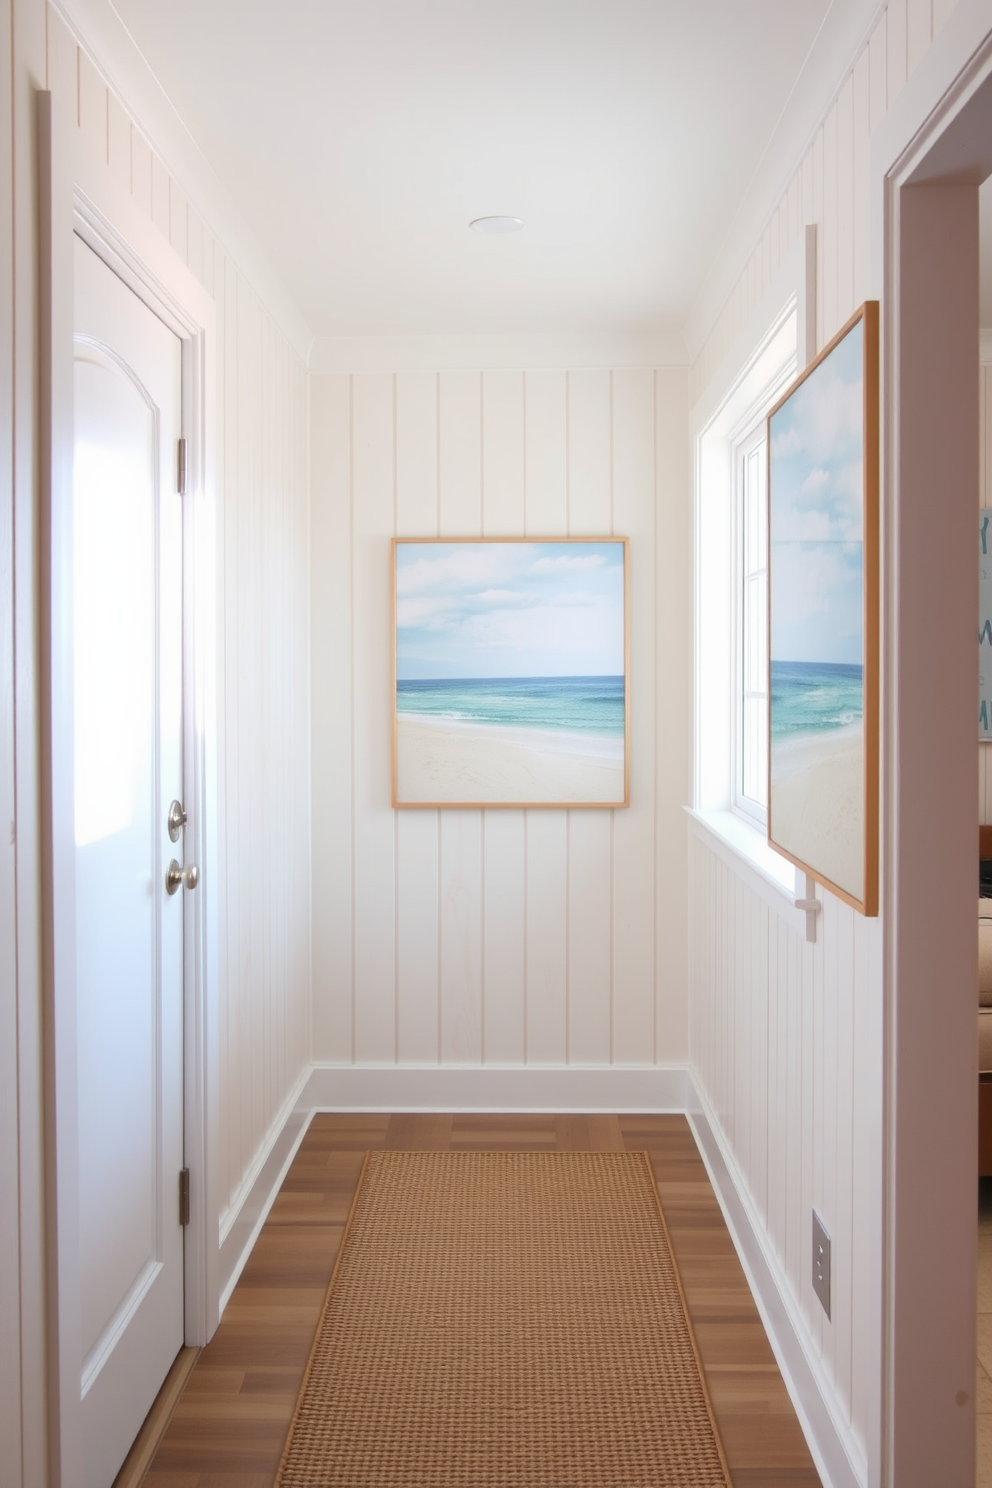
(359, 137)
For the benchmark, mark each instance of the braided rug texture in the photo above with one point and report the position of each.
(504, 1320)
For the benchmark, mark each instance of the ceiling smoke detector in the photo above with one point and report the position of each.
(495, 227)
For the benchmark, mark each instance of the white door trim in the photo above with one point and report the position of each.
(928, 1127)
(76, 196)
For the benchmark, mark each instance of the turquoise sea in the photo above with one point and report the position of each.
(581, 705)
(809, 697)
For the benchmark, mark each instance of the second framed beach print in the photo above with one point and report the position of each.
(510, 672)
(823, 616)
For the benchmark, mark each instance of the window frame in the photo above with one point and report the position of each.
(751, 434)
(776, 339)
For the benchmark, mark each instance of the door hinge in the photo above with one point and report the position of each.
(184, 1197)
(181, 460)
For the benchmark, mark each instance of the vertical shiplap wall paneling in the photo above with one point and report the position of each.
(417, 832)
(502, 936)
(671, 730)
(785, 1037)
(332, 717)
(830, 222)
(238, 1033)
(860, 196)
(505, 879)
(228, 733)
(777, 1085)
(240, 486)
(503, 923)
(896, 49)
(374, 422)
(548, 832)
(546, 515)
(460, 879)
(739, 1052)
(263, 638)
(758, 1074)
(840, 1152)
(634, 834)
(866, 1122)
(845, 201)
(589, 473)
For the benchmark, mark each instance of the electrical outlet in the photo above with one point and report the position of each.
(821, 1263)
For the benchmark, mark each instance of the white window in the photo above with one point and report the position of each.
(751, 639)
(730, 606)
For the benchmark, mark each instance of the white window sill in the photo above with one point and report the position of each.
(745, 850)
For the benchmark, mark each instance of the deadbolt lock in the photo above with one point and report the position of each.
(177, 878)
(176, 820)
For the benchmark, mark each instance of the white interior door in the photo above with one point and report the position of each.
(128, 749)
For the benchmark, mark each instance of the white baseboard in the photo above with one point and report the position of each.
(632, 1088)
(564, 1088)
(391, 1087)
(834, 1450)
(251, 1206)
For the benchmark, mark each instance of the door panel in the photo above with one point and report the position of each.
(127, 738)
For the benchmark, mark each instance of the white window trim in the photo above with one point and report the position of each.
(778, 339)
(750, 433)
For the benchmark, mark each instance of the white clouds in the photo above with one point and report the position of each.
(451, 567)
(817, 602)
(814, 486)
(422, 610)
(829, 416)
(817, 455)
(509, 609)
(786, 441)
(579, 563)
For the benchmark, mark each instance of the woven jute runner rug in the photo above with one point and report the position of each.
(504, 1320)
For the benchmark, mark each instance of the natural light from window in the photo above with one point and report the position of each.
(751, 683)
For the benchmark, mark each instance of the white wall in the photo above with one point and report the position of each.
(503, 937)
(261, 708)
(786, 1038)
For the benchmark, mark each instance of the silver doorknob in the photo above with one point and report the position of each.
(177, 878)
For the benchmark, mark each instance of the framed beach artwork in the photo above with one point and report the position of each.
(823, 616)
(510, 672)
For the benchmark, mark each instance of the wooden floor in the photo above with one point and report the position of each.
(229, 1426)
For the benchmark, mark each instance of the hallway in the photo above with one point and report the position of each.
(229, 1426)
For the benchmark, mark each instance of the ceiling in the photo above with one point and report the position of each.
(358, 138)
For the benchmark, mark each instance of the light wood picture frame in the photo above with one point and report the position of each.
(823, 600)
(511, 667)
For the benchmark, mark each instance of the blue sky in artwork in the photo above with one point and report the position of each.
(509, 609)
(815, 511)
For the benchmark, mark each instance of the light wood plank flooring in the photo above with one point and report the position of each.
(229, 1426)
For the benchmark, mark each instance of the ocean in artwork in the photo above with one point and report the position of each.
(575, 705)
(810, 697)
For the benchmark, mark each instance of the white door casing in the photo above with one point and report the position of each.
(127, 567)
(77, 196)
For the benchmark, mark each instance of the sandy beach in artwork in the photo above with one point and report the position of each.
(446, 761)
(817, 803)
